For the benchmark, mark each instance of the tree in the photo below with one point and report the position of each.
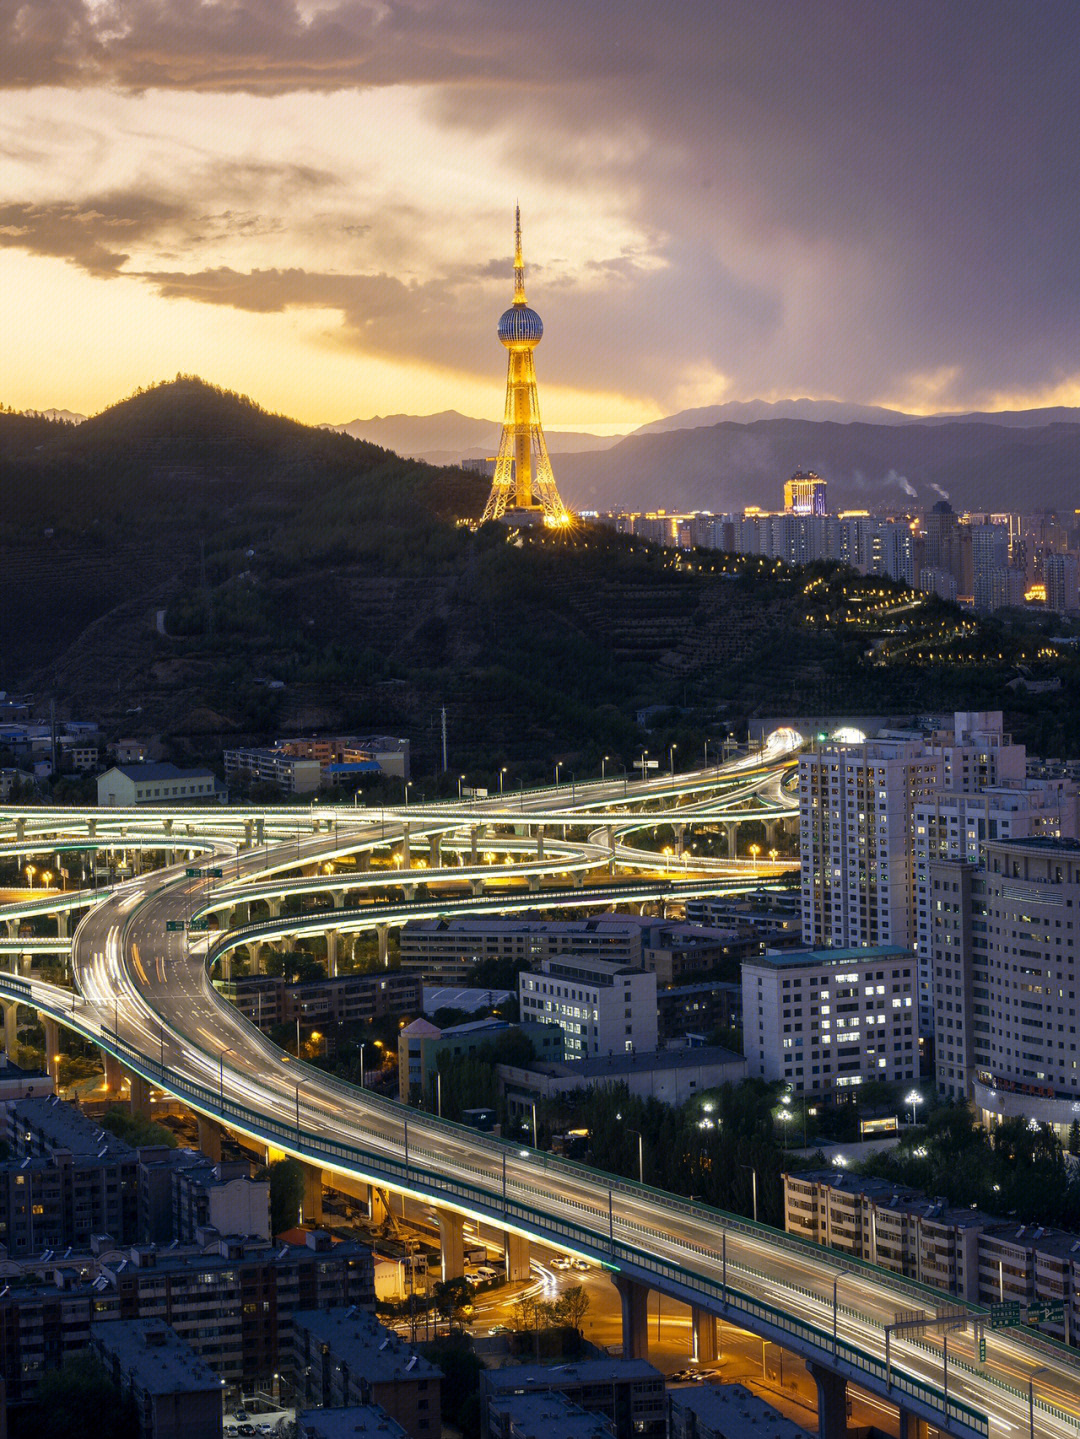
(77, 1401)
(286, 1193)
(135, 1129)
(572, 1306)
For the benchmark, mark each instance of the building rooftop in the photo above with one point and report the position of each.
(521, 1378)
(447, 997)
(142, 772)
(355, 1337)
(355, 1419)
(551, 1416)
(602, 1065)
(51, 1123)
(1053, 843)
(731, 1410)
(820, 958)
(157, 1358)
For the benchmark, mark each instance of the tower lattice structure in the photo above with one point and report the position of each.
(523, 478)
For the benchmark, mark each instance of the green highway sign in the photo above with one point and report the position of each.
(193, 873)
(1004, 1315)
(213, 873)
(172, 925)
(982, 1349)
(1050, 1311)
(199, 924)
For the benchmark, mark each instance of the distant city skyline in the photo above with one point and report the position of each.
(310, 204)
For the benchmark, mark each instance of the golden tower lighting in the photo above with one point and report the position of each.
(524, 486)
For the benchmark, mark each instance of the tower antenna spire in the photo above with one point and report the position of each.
(519, 262)
(523, 488)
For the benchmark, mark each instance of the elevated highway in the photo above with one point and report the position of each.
(142, 992)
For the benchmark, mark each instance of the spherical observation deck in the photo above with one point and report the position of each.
(520, 326)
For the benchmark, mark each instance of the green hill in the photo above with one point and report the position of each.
(338, 572)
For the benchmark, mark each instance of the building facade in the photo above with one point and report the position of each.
(827, 1021)
(602, 1006)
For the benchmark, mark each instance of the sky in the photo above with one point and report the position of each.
(721, 199)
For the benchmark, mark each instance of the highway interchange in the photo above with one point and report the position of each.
(142, 988)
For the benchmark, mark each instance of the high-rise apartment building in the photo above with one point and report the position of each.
(856, 808)
(1004, 936)
(1060, 575)
(989, 553)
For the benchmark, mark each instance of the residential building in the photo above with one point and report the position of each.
(182, 1192)
(856, 805)
(1060, 576)
(938, 582)
(831, 1019)
(989, 554)
(344, 1356)
(271, 766)
(341, 754)
(1003, 943)
(177, 1395)
(697, 1009)
(726, 1411)
(628, 1392)
(441, 949)
(954, 825)
(542, 1416)
(422, 1046)
(348, 999)
(670, 1075)
(155, 784)
(602, 1006)
(964, 1252)
(356, 1421)
(66, 1181)
(233, 1301)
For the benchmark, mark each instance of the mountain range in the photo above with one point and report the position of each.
(727, 456)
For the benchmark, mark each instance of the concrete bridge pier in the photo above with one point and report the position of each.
(474, 838)
(260, 831)
(435, 854)
(209, 1141)
(20, 830)
(832, 1402)
(911, 1426)
(63, 929)
(52, 1045)
(541, 830)
(11, 1031)
(382, 934)
(680, 837)
(704, 1329)
(26, 963)
(451, 1243)
(313, 1187)
(517, 1252)
(331, 953)
(363, 860)
(406, 851)
(273, 907)
(772, 833)
(114, 1074)
(731, 832)
(534, 883)
(635, 1316)
(139, 1095)
(12, 928)
(378, 1204)
(477, 887)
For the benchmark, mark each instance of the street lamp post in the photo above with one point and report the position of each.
(221, 1075)
(914, 1099)
(755, 850)
(835, 1312)
(460, 782)
(558, 767)
(644, 757)
(408, 787)
(1031, 1398)
(671, 759)
(502, 776)
(603, 766)
(363, 1046)
(753, 1188)
(640, 1155)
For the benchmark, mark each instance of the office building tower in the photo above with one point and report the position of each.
(804, 494)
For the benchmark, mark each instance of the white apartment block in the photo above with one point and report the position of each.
(1003, 941)
(967, 1253)
(954, 826)
(828, 1020)
(602, 1006)
(271, 766)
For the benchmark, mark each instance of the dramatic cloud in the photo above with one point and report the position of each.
(726, 199)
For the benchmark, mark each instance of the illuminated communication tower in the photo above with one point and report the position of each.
(523, 487)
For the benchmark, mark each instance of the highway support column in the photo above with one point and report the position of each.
(435, 855)
(139, 1095)
(832, 1402)
(451, 1243)
(113, 1072)
(209, 1140)
(516, 1251)
(382, 933)
(541, 830)
(635, 1317)
(911, 1426)
(11, 1031)
(704, 1327)
(52, 1046)
(331, 953)
(312, 1210)
(406, 851)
